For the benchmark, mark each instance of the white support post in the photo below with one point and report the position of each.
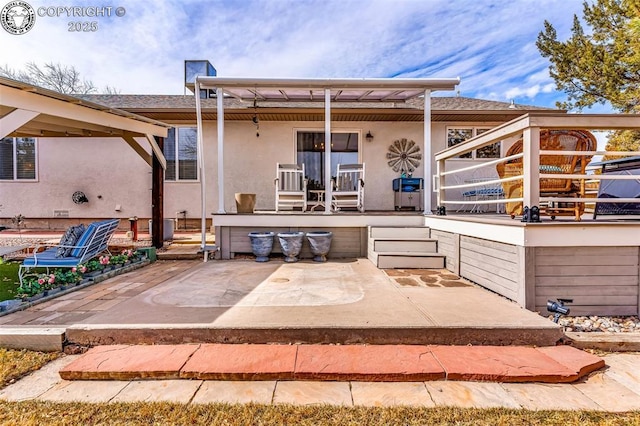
(203, 185)
(531, 167)
(440, 168)
(327, 151)
(220, 118)
(427, 153)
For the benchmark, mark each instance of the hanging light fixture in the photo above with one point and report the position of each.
(369, 136)
(255, 116)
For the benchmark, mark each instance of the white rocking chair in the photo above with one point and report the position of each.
(348, 187)
(291, 187)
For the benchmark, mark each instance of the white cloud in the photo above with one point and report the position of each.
(490, 44)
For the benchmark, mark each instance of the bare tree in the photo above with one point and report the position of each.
(58, 77)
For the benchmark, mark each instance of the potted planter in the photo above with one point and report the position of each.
(291, 243)
(245, 203)
(261, 245)
(320, 243)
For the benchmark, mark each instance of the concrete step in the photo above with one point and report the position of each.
(43, 339)
(399, 232)
(413, 260)
(371, 363)
(404, 245)
(537, 334)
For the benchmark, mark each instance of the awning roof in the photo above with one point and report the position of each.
(30, 111)
(342, 89)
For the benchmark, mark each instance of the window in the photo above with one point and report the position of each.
(310, 151)
(459, 135)
(18, 159)
(181, 152)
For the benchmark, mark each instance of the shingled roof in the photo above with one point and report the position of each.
(182, 107)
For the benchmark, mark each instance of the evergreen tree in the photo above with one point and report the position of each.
(600, 65)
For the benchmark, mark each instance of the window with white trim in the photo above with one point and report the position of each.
(457, 135)
(181, 151)
(18, 159)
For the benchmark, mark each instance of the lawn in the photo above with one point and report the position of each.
(9, 281)
(14, 364)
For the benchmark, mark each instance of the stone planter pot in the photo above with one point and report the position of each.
(291, 243)
(320, 243)
(261, 245)
(245, 203)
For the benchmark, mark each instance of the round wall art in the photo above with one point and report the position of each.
(404, 155)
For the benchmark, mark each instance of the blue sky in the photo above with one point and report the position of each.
(489, 44)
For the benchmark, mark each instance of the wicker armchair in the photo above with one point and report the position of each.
(561, 140)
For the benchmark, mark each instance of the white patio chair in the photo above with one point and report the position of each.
(291, 187)
(348, 187)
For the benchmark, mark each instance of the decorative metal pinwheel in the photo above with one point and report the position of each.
(404, 155)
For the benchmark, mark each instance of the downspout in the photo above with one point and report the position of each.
(427, 192)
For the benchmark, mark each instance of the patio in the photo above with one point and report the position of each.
(347, 301)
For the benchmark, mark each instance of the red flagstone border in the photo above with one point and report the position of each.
(381, 363)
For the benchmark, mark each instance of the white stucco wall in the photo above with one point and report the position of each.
(107, 170)
(111, 169)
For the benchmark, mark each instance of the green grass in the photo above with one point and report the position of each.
(14, 364)
(9, 280)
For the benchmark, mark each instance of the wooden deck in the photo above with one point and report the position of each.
(594, 262)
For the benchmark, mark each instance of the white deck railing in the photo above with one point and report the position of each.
(528, 127)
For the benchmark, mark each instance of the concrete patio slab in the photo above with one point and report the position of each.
(37, 383)
(610, 394)
(45, 339)
(389, 394)
(611, 342)
(343, 302)
(84, 391)
(625, 370)
(546, 396)
(308, 393)
(179, 391)
(470, 395)
(258, 392)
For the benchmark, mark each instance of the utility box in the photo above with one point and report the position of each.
(167, 231)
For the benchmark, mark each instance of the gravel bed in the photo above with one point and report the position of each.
(600, 324)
